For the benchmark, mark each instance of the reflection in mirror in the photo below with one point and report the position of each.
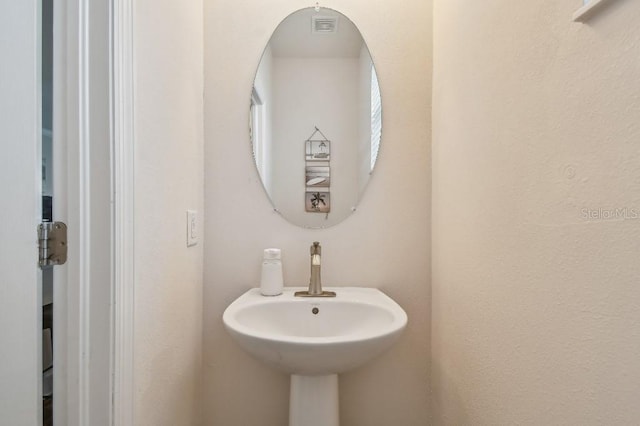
(316, 78)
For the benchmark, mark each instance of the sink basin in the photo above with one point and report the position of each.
(315, 336)
(314, 339)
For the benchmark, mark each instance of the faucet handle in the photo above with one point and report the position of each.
(315, 248)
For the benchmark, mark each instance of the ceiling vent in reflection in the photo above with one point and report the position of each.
(324, 24)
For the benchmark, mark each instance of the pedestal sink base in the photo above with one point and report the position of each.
(313, 400)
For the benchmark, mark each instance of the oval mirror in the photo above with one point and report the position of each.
(315, 117)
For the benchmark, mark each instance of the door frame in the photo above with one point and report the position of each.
(123, 143)
(79, 401)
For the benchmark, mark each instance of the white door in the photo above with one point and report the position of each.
(20, 207)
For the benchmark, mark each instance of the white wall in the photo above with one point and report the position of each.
(384, 244)
(310, 92)
(535, 307)
(168, 181)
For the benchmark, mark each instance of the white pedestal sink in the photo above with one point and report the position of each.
(315, 339)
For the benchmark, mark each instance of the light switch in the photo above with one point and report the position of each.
(192, 228)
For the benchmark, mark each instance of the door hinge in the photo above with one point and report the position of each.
(52, 238)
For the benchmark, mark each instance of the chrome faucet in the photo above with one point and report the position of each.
(315, 282)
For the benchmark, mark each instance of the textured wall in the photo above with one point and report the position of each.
(384, 244)
(535, 290)
(168, 181)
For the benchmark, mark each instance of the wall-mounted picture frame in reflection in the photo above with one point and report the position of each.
(318, 201)
(319, 150)
(317, 177)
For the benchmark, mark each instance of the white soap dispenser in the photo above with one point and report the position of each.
(271, 282)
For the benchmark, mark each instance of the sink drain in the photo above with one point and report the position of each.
(315, 311)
